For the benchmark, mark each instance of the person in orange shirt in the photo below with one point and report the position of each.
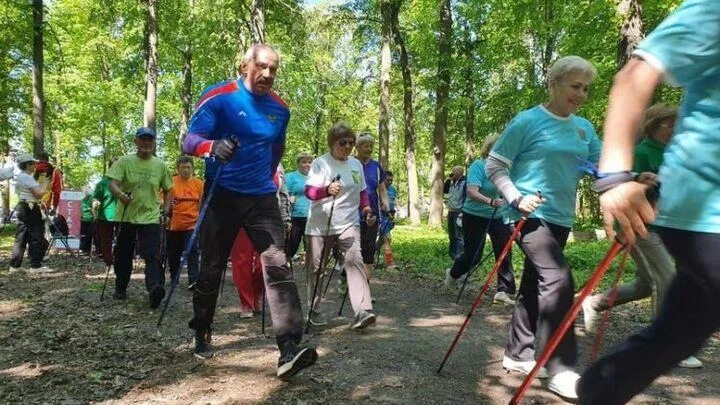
(46, 173)
(186, 195)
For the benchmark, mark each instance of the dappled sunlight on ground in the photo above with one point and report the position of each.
(27, 370)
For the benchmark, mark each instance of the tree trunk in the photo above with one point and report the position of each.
(151, 63)
(186, 95)
(437, 171)
(257, 19)
(38, 66)
(319, 108)
(409, 120)
(631, 30)
(385, 61)
(469, 95)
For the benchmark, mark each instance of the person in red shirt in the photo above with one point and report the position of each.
(247, 267)
(186, 195)
(46, 173)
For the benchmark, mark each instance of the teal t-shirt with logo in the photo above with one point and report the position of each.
(295, 183)
(544, 152)
(686, 47)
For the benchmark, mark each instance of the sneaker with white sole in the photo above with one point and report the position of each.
(503, 298)
(564, 383)
(294, 358)
(590, 315)
(523, 367)
(363, 319)
(691, 362)
(450, 282)
(12, 269)
(39, 270)
(317, 318)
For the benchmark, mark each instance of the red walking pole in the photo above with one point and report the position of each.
(485, 287)
(567, 322)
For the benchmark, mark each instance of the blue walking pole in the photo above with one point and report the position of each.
(190, 243)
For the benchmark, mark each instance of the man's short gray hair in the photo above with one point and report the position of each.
(364, 138)
(251, 53)
(570, 64)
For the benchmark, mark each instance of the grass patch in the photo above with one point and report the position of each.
(423, 251)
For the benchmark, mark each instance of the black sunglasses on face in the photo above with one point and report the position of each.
(345, 142)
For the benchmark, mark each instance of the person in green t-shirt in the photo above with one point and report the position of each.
(87, 229)
(653, 264)
(136, 180)
(104, 203)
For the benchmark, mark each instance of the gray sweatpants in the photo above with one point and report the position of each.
(348, 243)
(654, 271)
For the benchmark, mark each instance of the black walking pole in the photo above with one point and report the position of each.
(322, 258)
(342, 303)
(190, 242)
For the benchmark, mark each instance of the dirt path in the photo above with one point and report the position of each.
(61, 344)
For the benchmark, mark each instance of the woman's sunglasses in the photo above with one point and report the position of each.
(346, 142)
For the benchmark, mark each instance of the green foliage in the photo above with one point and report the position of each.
(423, 251)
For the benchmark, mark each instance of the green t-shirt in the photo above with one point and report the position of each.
(143, 178)
(86, 209)
(648, 156)
(108, 202)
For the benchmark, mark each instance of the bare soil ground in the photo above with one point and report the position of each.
(61, 344)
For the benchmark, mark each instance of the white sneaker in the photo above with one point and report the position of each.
(38, 270)
(450, 282)
(691, 362)
(12, 269)
(590, 315)
(503, 298)
(523, 367)
(563, 384)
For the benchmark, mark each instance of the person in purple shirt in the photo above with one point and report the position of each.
(239, 127)
(377, 193)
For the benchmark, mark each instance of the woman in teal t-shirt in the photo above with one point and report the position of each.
(536, 166)
(482, 214)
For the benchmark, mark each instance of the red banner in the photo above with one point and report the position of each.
(70, 207)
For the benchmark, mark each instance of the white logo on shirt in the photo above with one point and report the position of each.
(242, 113)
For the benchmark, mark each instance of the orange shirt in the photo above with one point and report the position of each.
(186, 196)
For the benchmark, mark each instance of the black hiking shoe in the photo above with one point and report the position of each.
(294, 358)
(120, 295)
(203, 350)
(156, 296)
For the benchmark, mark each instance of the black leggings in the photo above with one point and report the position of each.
(688, 317)
(474, 228)
(297, 233)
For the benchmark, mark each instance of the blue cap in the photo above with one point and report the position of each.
(145, 131)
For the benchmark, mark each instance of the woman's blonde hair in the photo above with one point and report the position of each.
(488, 144)
(570, 64)
(654, 116)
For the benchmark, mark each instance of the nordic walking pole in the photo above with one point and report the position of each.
(191, 241)
(327, 285)
(107, 272)
(495, 269)
(567, 322)
(263, 311)
(652, 194)
(477, 266)
(342, 303)
(597, 344)
(322, 258)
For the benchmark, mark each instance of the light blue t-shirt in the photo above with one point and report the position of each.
(392, 195)
(544, 152)
(295, 183)
(686, 47)
(476, 177)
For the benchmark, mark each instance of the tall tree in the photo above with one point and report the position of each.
(409, 118)
(151, 64)
(631, 30)
(257, 21)
(385, 65)
(442, 90)
(186, 92)
(37, 79)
